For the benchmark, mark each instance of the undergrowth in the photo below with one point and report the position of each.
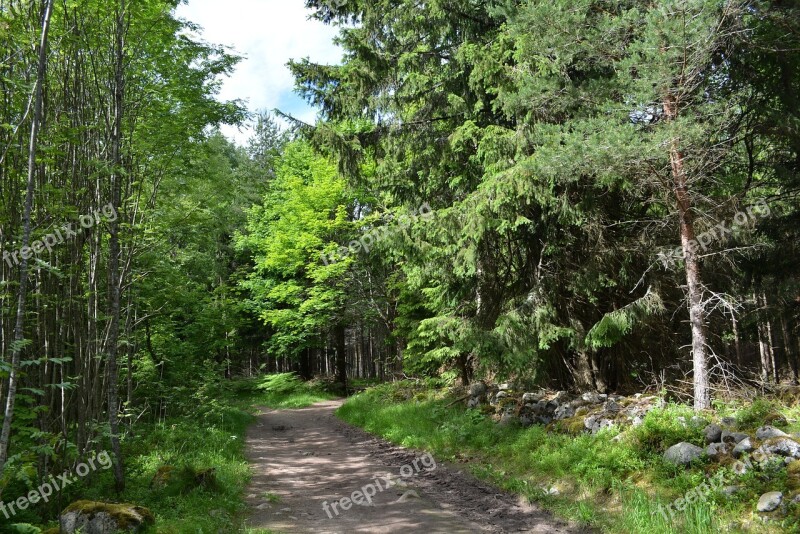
(617, 482)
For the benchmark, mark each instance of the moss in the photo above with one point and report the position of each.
(53, 530)
(127, 516)
(162, 476)
(793, 475)
(775, 419)
(572, 425)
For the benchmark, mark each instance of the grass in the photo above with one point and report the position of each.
(616, 482)
(212, 437)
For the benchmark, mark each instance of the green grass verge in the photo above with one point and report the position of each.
(611, 481)
(210, 438)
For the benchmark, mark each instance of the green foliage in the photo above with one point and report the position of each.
(616, 482)
(294, 289)
(667, 426)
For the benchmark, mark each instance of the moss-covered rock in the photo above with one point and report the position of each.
(162, 477)
(793, 475)
(90, 517)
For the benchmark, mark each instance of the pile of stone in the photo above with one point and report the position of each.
(588, 412)
(768, 450)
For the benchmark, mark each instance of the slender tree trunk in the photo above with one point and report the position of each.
(112, 382)
(788, 351)
(763, 342)
(702, 392)
(736, 339)
(16, 349)
(341, 357)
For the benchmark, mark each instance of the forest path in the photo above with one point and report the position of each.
(303, 458)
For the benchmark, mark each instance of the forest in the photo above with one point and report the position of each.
(593, 196)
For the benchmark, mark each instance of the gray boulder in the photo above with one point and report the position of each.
(563, 412)
(729, 422)
(478, 389)
(767, 432)
(530, 398)
(88, 517)
(732, 437)
(683, 453)
(770, 501)
(717, 450)
(595, 423)
(781, 447)
(744, 446)
(591, 398)
(713, 433)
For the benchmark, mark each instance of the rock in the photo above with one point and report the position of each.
(595, 423)
(591, 397)
(683, 453)
(524, 420)
(90, 517)
(508, 418)
(474, 402)
(717, 450)
(776, 419)
(781, 447)
(637, 420)
(732, 437)
(540, 407)
(793, 474)
(767, 432)
(770, 501)
(729, 422)
(530, 398)
(713, 433)
(502, 394)
(563, 412)
(743, 447)
(504, 387)
(561, 396)
(612, 406)
(478, 389)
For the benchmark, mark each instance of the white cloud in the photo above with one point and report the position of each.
(268, 33)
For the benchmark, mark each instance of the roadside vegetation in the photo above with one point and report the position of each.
(616, 481)
(189, 470)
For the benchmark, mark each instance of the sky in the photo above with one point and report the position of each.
(268, 33)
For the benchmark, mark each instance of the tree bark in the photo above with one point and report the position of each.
(702, 393)
(114, 253)
(341, 357)
(16, 349)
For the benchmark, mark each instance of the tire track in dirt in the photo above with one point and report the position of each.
(303, 458)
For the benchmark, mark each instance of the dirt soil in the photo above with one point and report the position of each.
(303, 458)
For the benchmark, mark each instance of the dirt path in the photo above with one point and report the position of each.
(309, 457)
